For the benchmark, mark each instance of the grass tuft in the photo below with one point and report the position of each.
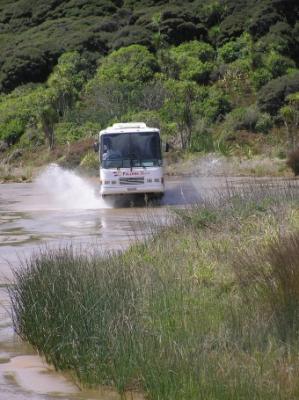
(205, 308)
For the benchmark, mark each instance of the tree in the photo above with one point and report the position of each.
(49, 103)
(240, 48)
(290, 116)
(67, 80)
(180, 106)
(194, 60)
(45, 112)
(128, 64)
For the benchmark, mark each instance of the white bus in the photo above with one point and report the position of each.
(130, 160)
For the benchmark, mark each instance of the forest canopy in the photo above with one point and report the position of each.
(68, 68)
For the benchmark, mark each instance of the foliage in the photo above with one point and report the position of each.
(67, 80)
(264, 123)
(12, 130)
(180, 107)
(277, 64)
(128, 64)
(272, 96)
(68, 132)
(215, 105)
(235, 49)
(290, 116)
(248, 118)
(34, 37)
(260, 77)
(113, 60)
(15, 114)
(202, 139)
(194, 60)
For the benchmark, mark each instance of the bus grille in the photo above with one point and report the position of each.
(131, 181)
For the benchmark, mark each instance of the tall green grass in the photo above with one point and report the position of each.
(200, 310)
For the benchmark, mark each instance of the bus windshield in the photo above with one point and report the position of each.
(127, 150)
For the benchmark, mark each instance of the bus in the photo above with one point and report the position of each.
(131, 160)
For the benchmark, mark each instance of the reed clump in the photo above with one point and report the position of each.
(206, 308)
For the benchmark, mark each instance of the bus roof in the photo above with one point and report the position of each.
(126, 127)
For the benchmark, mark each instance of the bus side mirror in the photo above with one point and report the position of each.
(96, 147)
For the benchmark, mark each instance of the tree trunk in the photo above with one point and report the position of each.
(49, 134)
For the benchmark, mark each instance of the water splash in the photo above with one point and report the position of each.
(65, 189)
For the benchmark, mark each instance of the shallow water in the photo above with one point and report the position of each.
(60, 209)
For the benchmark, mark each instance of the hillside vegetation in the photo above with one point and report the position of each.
(213, 75)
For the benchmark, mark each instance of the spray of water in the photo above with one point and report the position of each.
(67, 190)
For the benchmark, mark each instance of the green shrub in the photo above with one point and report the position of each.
(229, 52)
(281, 39)
(128, 64)
(178, 25)
(194, 60)
(249, 118)
(68, 132)
(12, 130)
(260, 77)
(272, 96)
(264, 123)
(202, 138)
(32, 137)
(277, 64)
(215, 105)
(195, 70)
(199, 50)
(235, 49)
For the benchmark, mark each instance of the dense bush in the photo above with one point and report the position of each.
(11, 131)
(194, 61)
(277, 64)
(235, 49)
(215, 105)
(260, 77)
(113, 60)
(128, 64)
(35, 36)
(248, 118)
(272, 96)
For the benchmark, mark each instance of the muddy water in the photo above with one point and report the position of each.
(56, 210)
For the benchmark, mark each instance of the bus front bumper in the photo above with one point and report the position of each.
(118, 190)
